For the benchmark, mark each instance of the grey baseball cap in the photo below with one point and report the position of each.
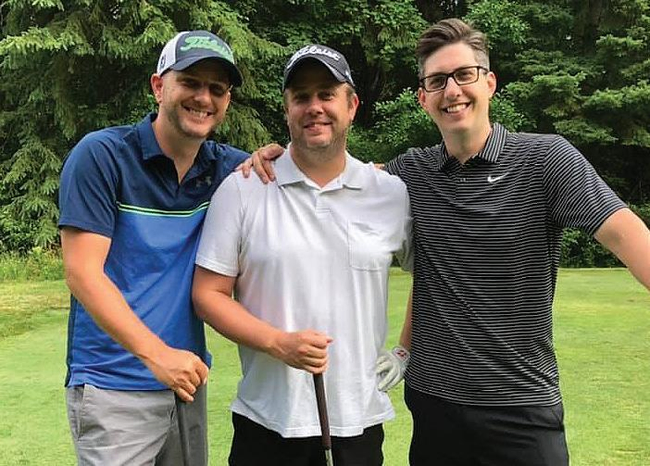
(334, 61)
(188, 47)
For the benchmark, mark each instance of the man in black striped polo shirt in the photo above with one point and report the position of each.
(489, 207)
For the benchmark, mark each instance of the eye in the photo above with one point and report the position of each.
(436, 81)
(328, 94)
(466, 74)
(218, 90)
(190, 83)
(300, 97)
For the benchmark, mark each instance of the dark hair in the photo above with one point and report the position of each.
(451, 31)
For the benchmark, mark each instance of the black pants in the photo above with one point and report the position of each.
(450, 434)
(255, 445)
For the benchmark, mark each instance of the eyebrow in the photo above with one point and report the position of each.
(455, 69)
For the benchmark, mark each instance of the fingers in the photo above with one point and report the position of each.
(305, 350)
(245, 167)
(261, 160)
(180, 370)
(203, 372)
(262, 167)
(184, 395)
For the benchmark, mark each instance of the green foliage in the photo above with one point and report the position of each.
(501, 21)
(503, 110)
(36, 264)
(582, 250)
(377, 38)
(69, 68)
(399, 124)
(580, 69)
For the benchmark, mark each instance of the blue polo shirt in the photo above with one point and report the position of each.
(117, 182)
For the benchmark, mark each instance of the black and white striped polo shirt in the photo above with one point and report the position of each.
(487, 247)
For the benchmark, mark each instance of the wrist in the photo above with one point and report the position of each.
(402, 354)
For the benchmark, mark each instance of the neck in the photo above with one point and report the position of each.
(320, 166)
(180, 149)
(465, 146)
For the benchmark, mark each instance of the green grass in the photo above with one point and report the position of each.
(602, 322)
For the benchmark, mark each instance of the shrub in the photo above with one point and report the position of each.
(37, 264)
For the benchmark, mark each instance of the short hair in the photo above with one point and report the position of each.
(447, 32)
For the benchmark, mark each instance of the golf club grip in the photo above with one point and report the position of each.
(322, 411)
(182, 429)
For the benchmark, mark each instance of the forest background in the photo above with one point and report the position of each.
(580, 68)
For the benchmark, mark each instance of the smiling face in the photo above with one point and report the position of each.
(319, 109)
(192, 102)
(460, 112)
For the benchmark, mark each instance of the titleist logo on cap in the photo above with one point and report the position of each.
(313, 50)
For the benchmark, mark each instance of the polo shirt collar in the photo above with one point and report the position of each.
(287, 172)
(151, 148)
(490, 152)
(148, 142)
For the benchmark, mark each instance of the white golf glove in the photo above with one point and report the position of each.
(391, 366)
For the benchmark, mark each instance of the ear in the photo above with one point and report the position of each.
(491, 82)
(422, 98)
(353, 106)
(157, 86)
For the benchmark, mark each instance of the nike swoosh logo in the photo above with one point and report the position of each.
(492, 179)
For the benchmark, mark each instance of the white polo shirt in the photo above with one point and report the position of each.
(311, 258)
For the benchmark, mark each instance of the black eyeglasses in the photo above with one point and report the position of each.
(462, 76)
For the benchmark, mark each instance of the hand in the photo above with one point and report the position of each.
(306, 350)
(260, 161)
(391, 366)
(182, 371)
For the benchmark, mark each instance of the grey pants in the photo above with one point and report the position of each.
(133, 428)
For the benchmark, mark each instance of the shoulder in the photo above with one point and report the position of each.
(414, 158)
(99, 148)
(245, 188)
(378, 178)
(536, 143)
(106, 140)
(227, 152)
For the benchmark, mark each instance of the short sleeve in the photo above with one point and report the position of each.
(405, 255)
(221, 235)
(395, 166)
(87, 193)
(577, 197)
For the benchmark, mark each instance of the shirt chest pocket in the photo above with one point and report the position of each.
(368, 246)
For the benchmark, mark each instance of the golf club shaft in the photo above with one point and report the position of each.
(182, 429)
(323, 418)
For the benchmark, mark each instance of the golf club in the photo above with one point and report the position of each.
(181, 406)
(323, 418)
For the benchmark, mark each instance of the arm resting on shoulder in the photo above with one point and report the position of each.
(84, 255)
(213, 302)
(625, 234)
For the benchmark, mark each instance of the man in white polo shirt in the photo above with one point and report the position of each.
(307, 258)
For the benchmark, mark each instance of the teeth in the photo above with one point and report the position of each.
(455, 108)
(198, 113)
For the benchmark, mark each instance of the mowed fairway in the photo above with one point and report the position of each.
(602, 337)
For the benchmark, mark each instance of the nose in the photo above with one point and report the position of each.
(314, 106)
(202, 93)
(452, 89)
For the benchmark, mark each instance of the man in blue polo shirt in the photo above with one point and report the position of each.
(132, 202)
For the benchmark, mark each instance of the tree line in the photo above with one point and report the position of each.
(580, 68)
